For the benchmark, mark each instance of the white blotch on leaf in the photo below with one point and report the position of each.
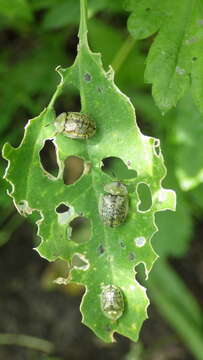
(64, 218)
(200, 22)
(191, 40)
(140, 241)
(180, 71)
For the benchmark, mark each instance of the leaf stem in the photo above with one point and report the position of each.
(27, 341)
(123, 53)
(83, 22)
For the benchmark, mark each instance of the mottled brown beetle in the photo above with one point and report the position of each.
(112, 303)
(113, 206)
(75, 125)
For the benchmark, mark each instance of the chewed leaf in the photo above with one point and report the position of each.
(101, 256)
(176, 53)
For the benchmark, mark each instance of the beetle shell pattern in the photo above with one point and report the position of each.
(75, 125)
(113, 207)
(112, 302)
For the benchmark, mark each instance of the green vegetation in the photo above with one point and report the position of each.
(57, 182)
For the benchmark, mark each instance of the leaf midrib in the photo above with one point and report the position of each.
(83, 102)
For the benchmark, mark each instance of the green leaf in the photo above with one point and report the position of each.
(67, 12)
(173, 239)
(188, 137)
(63, 13)
(133, 68)
(175, 58)
(145, 19)
(180, 126)
(179, 307)
(136, 352)
(183, 131)
(28, 81)
(13, 221)
(42, 4)
(13, 9)
(196, 196)
(111, 254)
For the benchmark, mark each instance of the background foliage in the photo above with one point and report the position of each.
(30, 32)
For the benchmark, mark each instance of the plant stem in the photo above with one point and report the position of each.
(83, 22)
(123, 53)
(27, 341)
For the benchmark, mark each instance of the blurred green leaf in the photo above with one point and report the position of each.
(182, 132)
(176, 53)
(67, 12)
(26, 341)
(178, 306)
(107, 5)
(15, 9)
(146, 17)
(196, 196)
(12, 222)
(130, 75)
(31, 82)
(136, 352)
(62, 14)
(42, 4)
(188, 137)
(175, 230)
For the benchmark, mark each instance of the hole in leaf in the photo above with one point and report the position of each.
(116, 168)
(194, 58)
(140, 272)
(79, 262)
(81, 229)
(64, 213)
(145, 197)
(147, 9)
(157, 150)
(62, 208)
(73, 169)
(68, 101)
(48, 158)
(157, 147)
